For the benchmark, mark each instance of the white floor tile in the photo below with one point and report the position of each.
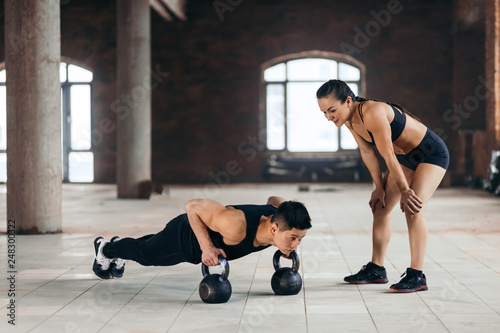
(57, 292)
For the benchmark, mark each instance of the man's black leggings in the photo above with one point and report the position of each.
(176, 243)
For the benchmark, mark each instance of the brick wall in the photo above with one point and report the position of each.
(88, 37)
(469, 109)
(208, 105)
(468, 12)
(493, 71)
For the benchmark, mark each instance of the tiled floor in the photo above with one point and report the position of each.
(57, 292)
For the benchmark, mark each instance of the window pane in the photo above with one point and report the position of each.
(275, 73)
(348, 72)
(2, 76)
(275, 116)
(347, 140)
(80, 116)
(3, 167)
(3, 117)
(312, 69)
(354, 88)
(62, 72)
(81, 167)
(308, 130)
(78, 74)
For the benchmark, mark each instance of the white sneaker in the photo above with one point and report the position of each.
(117, 264)
(101, 264)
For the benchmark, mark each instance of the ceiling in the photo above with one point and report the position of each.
(170, 10)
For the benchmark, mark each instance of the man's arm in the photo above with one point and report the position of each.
(204, 214)
(275, 201)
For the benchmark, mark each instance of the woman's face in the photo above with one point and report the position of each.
(334, 110)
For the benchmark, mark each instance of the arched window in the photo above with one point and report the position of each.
(293, 121)
(77, 156)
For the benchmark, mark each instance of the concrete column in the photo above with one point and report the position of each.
(134, 88)
(33, 52)
(492, 70)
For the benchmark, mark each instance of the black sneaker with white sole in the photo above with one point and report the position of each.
(413, 280)
(101, 264)
(117, 266)
(370, 273)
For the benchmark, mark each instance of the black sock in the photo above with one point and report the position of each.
(104, 252)
(416, 271)
(377, 266)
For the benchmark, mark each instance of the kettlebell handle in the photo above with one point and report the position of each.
(225, 268)
(293, 255)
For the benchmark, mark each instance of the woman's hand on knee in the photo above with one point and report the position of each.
(378, 195)
(410, 202)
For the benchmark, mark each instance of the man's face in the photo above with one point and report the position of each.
(287, 241)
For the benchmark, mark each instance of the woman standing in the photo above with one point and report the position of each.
(416, 160)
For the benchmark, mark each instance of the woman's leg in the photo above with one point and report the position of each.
(382, 223)
(381, 235)
(424, 182)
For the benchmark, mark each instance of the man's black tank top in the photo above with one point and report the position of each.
(253, 213)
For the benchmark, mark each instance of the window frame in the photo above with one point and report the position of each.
(66, 148)
(339, 58)
(66, 122)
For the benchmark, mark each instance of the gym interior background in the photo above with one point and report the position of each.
(102, 100)
(225, 74)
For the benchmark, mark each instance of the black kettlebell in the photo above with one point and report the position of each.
(286, 280)
(215, 288)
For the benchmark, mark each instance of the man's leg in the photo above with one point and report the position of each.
(161, 249)
(157, 250)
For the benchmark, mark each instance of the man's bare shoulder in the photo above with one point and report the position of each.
(232, 225)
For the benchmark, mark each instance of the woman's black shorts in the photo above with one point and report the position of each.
(430, 150)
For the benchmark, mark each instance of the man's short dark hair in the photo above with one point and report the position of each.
(292, 214)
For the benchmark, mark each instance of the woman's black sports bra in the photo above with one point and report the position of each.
(397, 124)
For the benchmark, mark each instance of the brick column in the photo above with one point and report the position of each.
(34, 171)
(134, 86)
(492, 71)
